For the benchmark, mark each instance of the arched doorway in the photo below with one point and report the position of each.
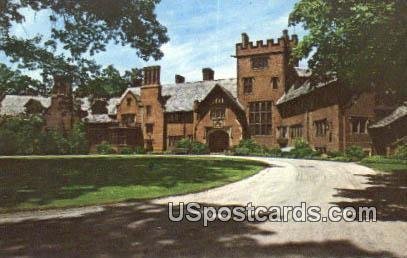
(218, 141)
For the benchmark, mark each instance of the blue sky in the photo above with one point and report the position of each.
(203, 33)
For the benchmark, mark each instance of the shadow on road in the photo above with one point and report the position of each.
(143, 230)
(385, 191)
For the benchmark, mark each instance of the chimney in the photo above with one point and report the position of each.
(245, 40)
(179, 79)
(151, 75)
(62, 85)
(208, 74)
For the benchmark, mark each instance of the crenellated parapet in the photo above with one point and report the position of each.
(247, 47)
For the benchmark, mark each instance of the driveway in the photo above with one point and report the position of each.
(142, 229)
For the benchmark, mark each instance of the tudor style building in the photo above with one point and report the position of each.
(271, 101)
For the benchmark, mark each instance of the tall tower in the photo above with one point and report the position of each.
(262, 72)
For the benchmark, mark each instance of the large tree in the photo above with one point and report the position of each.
(79, 30)
(13, 82)
(360, 42)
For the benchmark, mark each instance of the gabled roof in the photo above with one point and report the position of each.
(12, 105)
(397, 114)
(181, 96)
(304, 89)
(98, 118)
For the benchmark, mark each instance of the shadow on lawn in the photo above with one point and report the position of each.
(385, 191)
(143, 230)
(40, 181)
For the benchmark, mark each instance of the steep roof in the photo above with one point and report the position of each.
(304, 89)
(181, 96)
(397, 114)
(12, 105)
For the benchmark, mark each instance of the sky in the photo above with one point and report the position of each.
(202, 33)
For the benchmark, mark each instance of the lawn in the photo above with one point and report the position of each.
(64, 181)
(386, 164)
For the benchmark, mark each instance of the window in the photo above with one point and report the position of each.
(148, 110)
(259, 62)
(321, 127)
(247, 85)
(321, 149)
(217, 113)
(359, 125)
(149, 128)
(260, 117)
(129, 101)
(282, 131)
(128, 119)
(296, 131)
(274, 82)
(119, 138)
(218, 100)
(180, 117)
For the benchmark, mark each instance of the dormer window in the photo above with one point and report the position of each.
(259, 62)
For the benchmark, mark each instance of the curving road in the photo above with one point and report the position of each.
(142, 229)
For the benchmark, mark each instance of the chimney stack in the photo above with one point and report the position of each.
(208, 74)
(179, 78)
(245, 40)
(151, 75)
(62, 85)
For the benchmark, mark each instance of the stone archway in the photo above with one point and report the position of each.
(218, 141)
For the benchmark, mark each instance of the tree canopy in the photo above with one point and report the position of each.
(79, 30)
(360, 42)
(13, 82)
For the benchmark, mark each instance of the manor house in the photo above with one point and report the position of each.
(271, 100)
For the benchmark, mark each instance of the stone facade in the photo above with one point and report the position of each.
(271, 101)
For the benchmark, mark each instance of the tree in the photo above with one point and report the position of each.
(109, 83)
(13, 82)
(80, 28)
(361, 43)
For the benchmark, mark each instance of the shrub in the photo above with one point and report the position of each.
(198, 148)
(282, 142)
(188, 146)
(139, 150)
(126, 151)
(242, 151)
(355, 153)
(401, 152)
(275, 152)
(105, 148)
(53, 142)
(333, 154)
(78, 142)
(341, 158)
(302, 149)
(249, 147)
(7, 142)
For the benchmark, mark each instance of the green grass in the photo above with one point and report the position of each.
(65, 181)
(385, 164)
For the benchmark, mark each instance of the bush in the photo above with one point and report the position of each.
(302, 150)
(249, 147)
(126, 151)
(401, 152)
(139, 150)
(198, 148)
(355, 153)
(242, 151)
(53, 142)
(341, 158)
(275, 152)
(105, 148)
(282, 142)
(333, 154)
(188, 146)
(78, 142)
(7, 142)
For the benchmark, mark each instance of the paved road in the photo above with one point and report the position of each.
(142, 229)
